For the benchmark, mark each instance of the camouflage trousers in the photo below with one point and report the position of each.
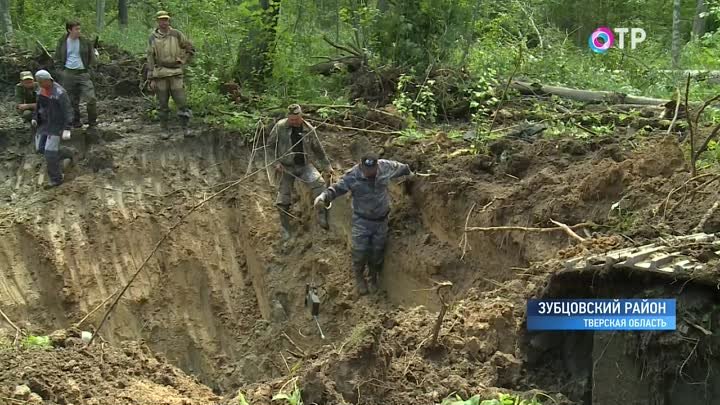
(307, 174)
(368, 243)
(174, 87)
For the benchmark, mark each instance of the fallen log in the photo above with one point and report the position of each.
(610, 97)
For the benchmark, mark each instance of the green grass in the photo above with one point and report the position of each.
(241, 399)
(502, 399)
(36, 343)
(295, 396)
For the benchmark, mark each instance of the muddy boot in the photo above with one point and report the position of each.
(285, 222)
(185, 124)
(52, 185)
(373, 281)
(165, 130)
(322, 217)
(360, 283)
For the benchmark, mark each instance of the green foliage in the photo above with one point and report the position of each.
(241, 399)
(420, 104)
(410, 134)
(502, 399)
(482, 94)
(36, 343)
(711, 156)
(268, 49)
(294, 398)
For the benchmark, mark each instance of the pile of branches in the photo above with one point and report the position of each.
(372, 86)
(14, 60)
(121, 75)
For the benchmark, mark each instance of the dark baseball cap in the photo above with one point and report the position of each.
(369, 160)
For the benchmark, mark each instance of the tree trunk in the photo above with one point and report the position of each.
(5, 20)
(99, 14)
(609, 97)
(123, 13)
(699, 20)
(676, 34)
(20, 12)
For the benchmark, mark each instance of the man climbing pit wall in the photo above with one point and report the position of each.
(368, 182)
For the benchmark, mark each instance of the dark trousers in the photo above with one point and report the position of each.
(49, 145)
(79, 86)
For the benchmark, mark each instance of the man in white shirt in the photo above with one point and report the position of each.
(74, 56)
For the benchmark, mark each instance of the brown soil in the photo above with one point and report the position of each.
(223, 300)
(97, 375)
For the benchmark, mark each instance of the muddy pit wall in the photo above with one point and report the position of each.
(426, 227)
(192, 300)
(202, 293)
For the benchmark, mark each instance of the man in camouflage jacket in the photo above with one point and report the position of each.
(368, 182)
(294, 146)
(169, 51)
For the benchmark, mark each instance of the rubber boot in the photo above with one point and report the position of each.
(373, 281)
(165, 130)
(285, 222)
(360, 283)
(322, 217)
(184, 123)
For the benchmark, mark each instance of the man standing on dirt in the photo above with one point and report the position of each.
(53, 119)
(74, 56)
(26, 95)
(290, 144)
(169, 51)
(368, 182)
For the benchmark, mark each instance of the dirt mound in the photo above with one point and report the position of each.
(74, 373)
(391, 359)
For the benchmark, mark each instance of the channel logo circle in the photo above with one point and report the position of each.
(601, 40)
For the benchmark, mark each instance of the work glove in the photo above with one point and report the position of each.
(33, 123)
(66, 135)
(320, 200)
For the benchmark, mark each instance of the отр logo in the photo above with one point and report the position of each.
(601, 40)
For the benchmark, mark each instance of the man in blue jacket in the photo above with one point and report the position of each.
(53, 119)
